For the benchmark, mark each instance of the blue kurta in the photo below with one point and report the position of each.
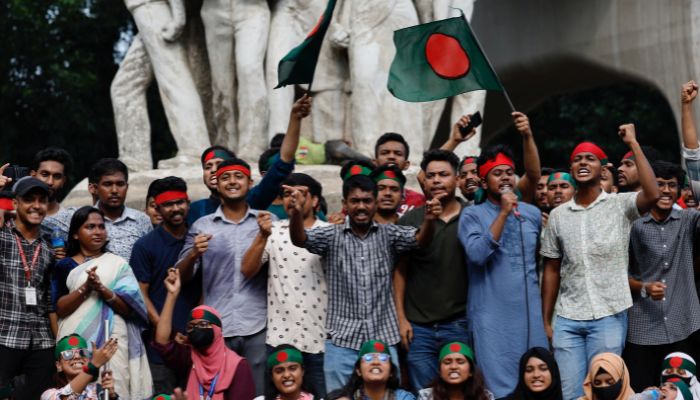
(497, 309)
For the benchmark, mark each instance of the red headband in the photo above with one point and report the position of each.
(628, 156)
(588, 147)
(469, 160)
(235, 167)
(500, 159)
(170, 196)
(6, 204)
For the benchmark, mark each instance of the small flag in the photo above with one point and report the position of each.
(438, 60)
(299, 64)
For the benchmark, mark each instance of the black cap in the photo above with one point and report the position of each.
(24, 185)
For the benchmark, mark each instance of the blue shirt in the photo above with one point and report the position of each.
(240, 301)
(151, 257)
(259, 197)
(503, 304)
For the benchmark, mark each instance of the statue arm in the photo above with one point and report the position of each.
(173, 30)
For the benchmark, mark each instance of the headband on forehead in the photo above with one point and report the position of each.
(469, 160)
(6, 204)
(170, 195)
(357, 169)
(373, 346)
(456, 347)
(235, 167)
(70, 342)
(283, 356)
(218, 153)
(500, 159)
(589, 147)
(679, 362)
(561, 176)
(629, 156)
(202, 313)
(162, 397)
(387, 174)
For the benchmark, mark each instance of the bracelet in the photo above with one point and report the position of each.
(111, 299)
(91, 369)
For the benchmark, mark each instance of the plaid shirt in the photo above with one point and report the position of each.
(359, 272)
(24, 327)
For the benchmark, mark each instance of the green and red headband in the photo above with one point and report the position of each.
(218, 153)
(235, 167)
(500, 159)
(589, 147)
(170, 195)
(628, 156)
(162, 397)
(200, 313)
(373, 346)
(565, 176)
(679, 363)
(283, 356)
(456, 348)
(70, 342)
(388, 174)
(357, 169)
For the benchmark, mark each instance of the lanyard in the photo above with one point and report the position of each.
(211, 389)
(28, 268)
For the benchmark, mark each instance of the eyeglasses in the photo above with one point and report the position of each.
(382, 357)
(71, 354)
(200, 324)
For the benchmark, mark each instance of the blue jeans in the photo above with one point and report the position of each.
(339, 364)
(576, 342)
(313, 372)
(423, 352)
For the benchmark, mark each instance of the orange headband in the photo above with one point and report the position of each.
(236, 167)
(500, 159)
(170, 196)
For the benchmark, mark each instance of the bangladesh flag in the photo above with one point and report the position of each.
(299, 64)
(438, 60)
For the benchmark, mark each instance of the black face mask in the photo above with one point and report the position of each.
(608, 392)
(673, 377)
(201, 338)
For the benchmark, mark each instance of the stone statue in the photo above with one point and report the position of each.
(156, 51)
(236, 34)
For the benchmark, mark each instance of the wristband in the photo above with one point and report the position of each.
(91, 369)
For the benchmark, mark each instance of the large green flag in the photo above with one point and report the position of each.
(299, 64)
(438, 60)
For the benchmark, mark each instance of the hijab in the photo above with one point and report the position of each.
(613, 365)
(553, 392)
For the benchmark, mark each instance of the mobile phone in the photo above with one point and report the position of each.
(15, 172)
(474, 121)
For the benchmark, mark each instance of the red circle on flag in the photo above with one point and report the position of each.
(455, 347)
(282, 356)
(379, 347)
(390, 174)
(675, 362)
(446, 56)
(160, 397)
(198, 314)
(356, 170)
(73, 341)
(315, 28)
(673, 380)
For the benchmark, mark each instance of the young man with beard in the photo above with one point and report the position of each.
(666, 309)
(108, 181)
(360, 256)
(585, 245)
(541, 190)
(215, 244)
(26, 340)
(628, 173)
(500, 237)
(561, 187)
(151, 258)
(392, 149)
(390, 184)
(608, 179)
(430, 283)
(261, 196)
(51, 166)
(296, 281)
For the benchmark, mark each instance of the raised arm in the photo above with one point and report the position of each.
(186, 262)
(296, 217)
(650, 189)
(531, 158)
(689, 92)
(300, 110)
(433, 209)
(456, 136)
(173, 30)
(164, 328)
(252, 259)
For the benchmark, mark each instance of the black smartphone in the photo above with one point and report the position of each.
(474, 121)
(15, 172)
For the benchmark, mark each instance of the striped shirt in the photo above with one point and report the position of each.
(359, 274)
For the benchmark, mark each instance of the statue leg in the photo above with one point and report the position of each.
(252, 25)
(218, 31)
(178, 92)
(331, 100)
(128, 93)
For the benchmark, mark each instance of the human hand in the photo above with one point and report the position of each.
(406, 331)
(545, 218)
(172, 281)
(689, 91)
(302, 107)
(548, 331)
(508, 202)
(627, 134)
(265, 223)
(522, 123)
(656, 290)
(59, 253)
(93, 280)
(433, 207)
(108, 381)
(298, 199)
(461, 123)
(4, 180)
(336, 218)
(103, 354)
(179, 394)
(201, 243)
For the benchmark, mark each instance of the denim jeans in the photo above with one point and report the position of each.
(313, 372)
(423, 352)
(576, 342)
(339, 364)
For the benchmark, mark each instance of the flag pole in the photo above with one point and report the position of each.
(486, 57)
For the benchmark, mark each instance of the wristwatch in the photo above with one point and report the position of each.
(643, 292)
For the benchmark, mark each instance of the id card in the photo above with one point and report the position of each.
(30, 296)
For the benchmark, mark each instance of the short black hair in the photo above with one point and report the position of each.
(299, 179)
(651, 153)
(667, 170)
(166, 184)
(391, 137)
(277, 140)
(348, 164)
(439, 155)
(265, 157)
(491, 152)
(393, 168)
(362, 182)
(107, 166)
(234, 161)
(548, 171)
(53, 154)
(216, 147)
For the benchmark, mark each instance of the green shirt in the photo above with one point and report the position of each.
(436, 276)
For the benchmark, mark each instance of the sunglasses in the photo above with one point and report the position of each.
(382, 357)
(68, 355)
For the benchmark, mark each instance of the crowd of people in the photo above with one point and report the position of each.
(555, 284)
